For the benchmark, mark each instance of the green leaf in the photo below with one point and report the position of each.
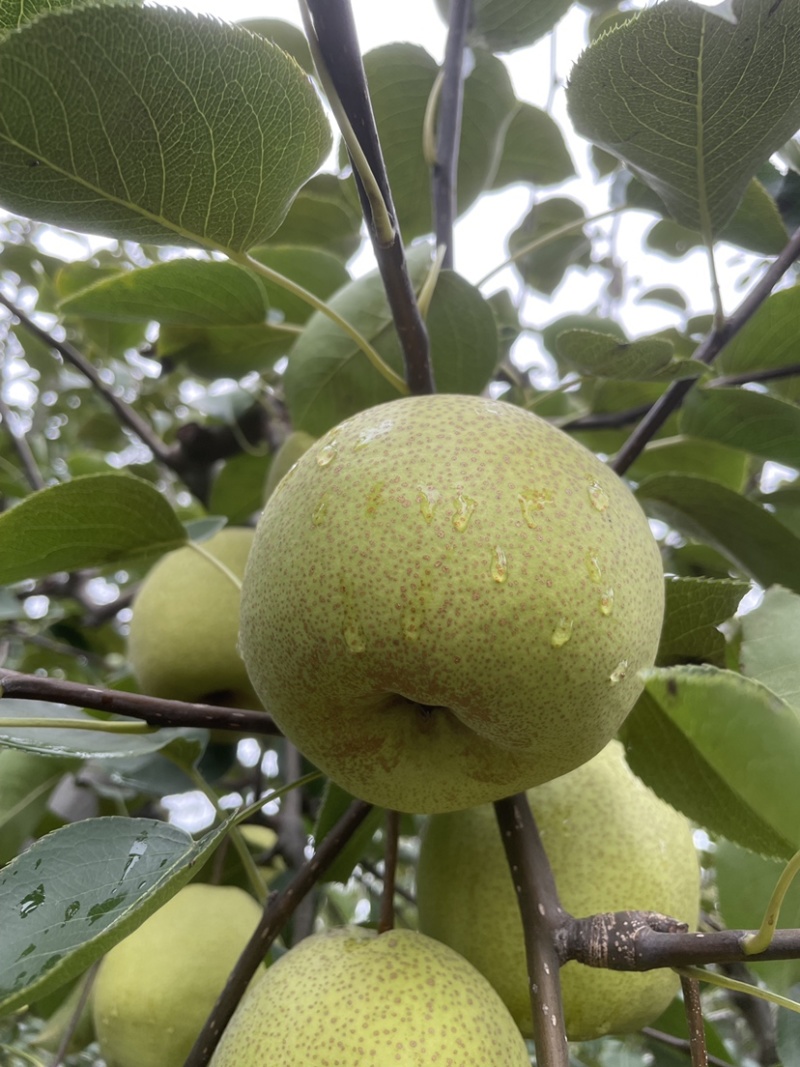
(692, 455)
(694, 609)
(238, 489)
(663, 294)
(745, 883)
(335, 802)
(88, 522)
(81, 744)
(744, 532)
(77, 892)
(329, 378)
(770, 638)
(719, 747)
(742, 419)
(286, 36)
(503, 25)
(325, 214)
(553, 330)
(597, 355)
(756, 225)
(768, 340)
(401, 78)
(155, 125)
(691, 102)
(533, 151)
(544, 267)
(14, 16)
(225, 351)
(181, 292)
(315, 269)
(26, 783)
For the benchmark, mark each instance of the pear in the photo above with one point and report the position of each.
(448, 601)
(613, 845)
(183, 634)
(155, 989)
(351, 996)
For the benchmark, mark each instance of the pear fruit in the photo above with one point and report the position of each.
(351, 996)
(448, 601)
(185, 625)
(155, 989)
(613, 845)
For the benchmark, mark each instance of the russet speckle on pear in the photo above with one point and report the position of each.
(439, 597)
(352, 998)
(613, 846)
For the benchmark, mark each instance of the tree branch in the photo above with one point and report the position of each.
(706, 353)
(680, 1043)
(392, 831)
(336, 35)
(152, 710)
(130, 418)
(22, 448)
(444, 175)
(694, 1020)
(277, 913)
(542, 919)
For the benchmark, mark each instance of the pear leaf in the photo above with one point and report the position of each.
(78, 891)
(154, 125)
(693, 103)
(91, 521)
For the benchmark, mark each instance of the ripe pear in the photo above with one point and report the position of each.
(447, 601)
(351, 996)
(155, 989)
(613, 845)
(182, 643)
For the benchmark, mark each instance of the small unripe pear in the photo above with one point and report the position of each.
(155, 989)
(447, 601)
(185, 625)
(613, 846)
(352, 997)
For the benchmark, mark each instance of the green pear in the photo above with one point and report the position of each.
(351, 996)
(448, 601)
(182, 643)
(613, 845)
(155, 989)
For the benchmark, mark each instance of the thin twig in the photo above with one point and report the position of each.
(276, 915)
(444, 177)
(399, 890)
(22, 448)
(389, 872)
(542, 917)
(152, 710)
(706, 353)
(75, 1018)
(768, 374)
(292, 839)
(680, 1043)
(130, 418)
(336, 35)
(694, 1020)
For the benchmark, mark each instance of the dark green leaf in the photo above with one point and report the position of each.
(286, 36)
(668, 760)
(694, 609)
(693, 103)
(325, 214)
(544, 267)
(744, 532)
(181, 292)
(238, 489)
(77, 892)
(82, 744)
(401, 78)
(99, 105)
(752, 422)
(26, 783)
(768, 340)
(770, 639)
(599, 356)
(225, 351)
(692, 455)
(315, 269)
(88, 522)
(503, 25)
(533, 151)
(554, 329)
(329, 378)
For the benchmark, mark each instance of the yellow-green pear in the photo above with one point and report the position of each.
(613, 845)
(358, 999)
(185, 625)
(155, 989)
(447, 601)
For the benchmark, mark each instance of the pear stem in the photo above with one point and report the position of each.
(389, 872)
(277, 913)
(542, 918)
(694, 1019)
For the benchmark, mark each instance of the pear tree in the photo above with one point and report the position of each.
(399, 596)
